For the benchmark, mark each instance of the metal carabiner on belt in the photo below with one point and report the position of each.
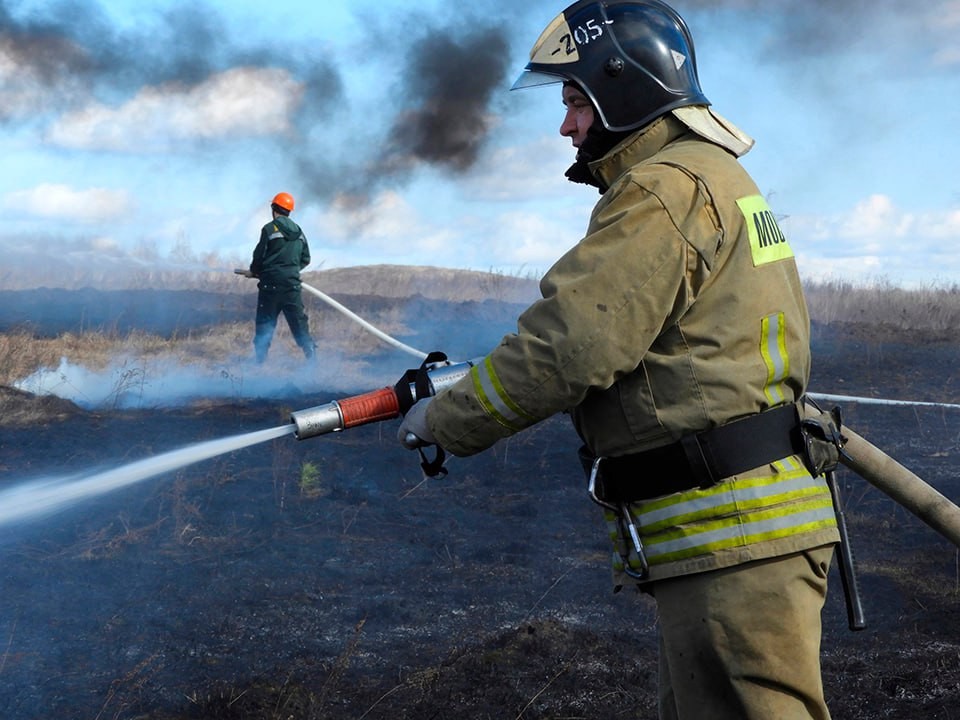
(627, 525)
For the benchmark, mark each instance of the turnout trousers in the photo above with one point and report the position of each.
(270, 303)
(743, 643)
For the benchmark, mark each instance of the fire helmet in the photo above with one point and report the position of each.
(284, 201)
(634, 59)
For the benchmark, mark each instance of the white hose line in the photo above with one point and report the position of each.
(879, 401)
(356, 318)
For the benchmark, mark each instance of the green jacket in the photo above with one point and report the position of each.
(280, 255)
(681, 309)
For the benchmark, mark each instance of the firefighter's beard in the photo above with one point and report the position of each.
(599, 142)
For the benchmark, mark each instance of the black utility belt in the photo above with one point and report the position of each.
(279, 288)
(702, 459)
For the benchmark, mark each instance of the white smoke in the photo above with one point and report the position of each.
(138, 383)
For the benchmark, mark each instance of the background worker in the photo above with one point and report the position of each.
(280, 255)
(676, 335)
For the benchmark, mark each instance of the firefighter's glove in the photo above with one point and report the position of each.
(414, 431)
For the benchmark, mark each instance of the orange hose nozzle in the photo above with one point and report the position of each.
(370, 407)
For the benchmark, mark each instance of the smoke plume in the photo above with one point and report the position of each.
(442, 116)
(73, 61)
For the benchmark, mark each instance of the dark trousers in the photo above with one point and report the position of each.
(270, 303)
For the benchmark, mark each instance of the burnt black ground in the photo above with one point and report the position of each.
(222, 591)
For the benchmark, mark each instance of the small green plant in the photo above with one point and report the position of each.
(311, 485)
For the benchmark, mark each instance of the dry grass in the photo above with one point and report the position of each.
(932, 310)
(23, 353)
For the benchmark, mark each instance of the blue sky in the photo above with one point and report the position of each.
(153, 134)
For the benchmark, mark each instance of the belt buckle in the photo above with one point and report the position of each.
(697, 461)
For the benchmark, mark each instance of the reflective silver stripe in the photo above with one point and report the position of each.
(774, 350)
(737, 492)
(494, 399)
(275, 236)
(776, 527)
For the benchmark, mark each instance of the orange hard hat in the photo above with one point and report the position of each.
(284, 200)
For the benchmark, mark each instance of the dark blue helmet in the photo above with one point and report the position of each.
(634, 59)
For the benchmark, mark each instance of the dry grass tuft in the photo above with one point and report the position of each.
(21, 354)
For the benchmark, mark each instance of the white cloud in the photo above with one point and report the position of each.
(244, 101)
(104, 244)
(386, 229)
(63, 202)
(532, 241)
(945, 225)
(943, 23)
(521, 172)
(386, 216)
(876, 238)
(876, 217)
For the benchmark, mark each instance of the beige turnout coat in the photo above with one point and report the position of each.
(681, 309)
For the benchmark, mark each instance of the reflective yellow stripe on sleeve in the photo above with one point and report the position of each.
(773, 348)
(494, 398)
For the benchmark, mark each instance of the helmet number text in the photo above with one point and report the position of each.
(582, 35)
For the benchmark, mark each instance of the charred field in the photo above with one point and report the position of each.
(326, 578)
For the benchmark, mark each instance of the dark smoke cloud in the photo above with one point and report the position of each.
(75, 36)
(438, 116)
(450, 85)
(439, 107)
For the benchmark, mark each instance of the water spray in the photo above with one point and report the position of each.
(43, 497)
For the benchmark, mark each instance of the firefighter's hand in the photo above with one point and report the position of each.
(414, 431)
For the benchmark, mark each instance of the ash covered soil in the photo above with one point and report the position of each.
(227, 590)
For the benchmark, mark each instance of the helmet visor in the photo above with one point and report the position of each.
(536, 78)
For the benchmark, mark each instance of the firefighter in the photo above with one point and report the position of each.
(676, 335)
(280, 255)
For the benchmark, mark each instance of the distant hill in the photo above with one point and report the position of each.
(388, 281)
(403, 281)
